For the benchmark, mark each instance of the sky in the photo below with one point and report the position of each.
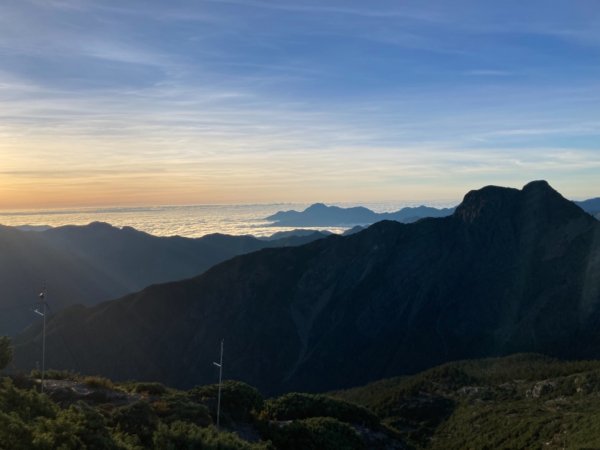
(256, 101)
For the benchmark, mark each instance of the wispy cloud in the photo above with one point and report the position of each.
(488, 73)
(289, 101)
(342, 8)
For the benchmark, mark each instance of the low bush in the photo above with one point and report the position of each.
(53, 374)
(98, 382)
(149, 388)
(26, 404)
(179, 407)
(182, 435)
(239, 401)
(137, 419)
(78, 427)
(317, 433)
(302, 406)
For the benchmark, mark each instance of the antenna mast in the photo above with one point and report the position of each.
(220, 366)
(43, 314)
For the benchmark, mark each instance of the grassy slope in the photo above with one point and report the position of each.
(521, 401)
(93, 413)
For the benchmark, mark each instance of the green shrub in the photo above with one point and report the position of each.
(179, 407)
(295, 405)
(182, 435)
(317, 433)
(137, 419)
(22, 380)
(53, 374)
(98, 382)
(56, 434)
(239, 401)
(26, 404)
(149, 388)
(126, 441)
(14, 433)
(78, 427)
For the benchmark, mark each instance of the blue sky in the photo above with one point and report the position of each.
(225, 101)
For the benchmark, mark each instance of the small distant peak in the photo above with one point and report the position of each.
(541, 191)
(537, 199)
(100, 225)
(540, 195)
(538, 185)
(36, 228)
(317, 206)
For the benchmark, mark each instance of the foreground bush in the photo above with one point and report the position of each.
(137, 419)
(98, 382)
(302, 406)
(79, 427)
(149, 388)
(182, 435)
(179, 407)
(317, 433)
(33, 421)
(53, 374)
(238, 400)
(25, 404)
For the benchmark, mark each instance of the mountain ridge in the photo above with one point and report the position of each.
(319, 214)
(591, 206)
(510, 271)
(95, 262)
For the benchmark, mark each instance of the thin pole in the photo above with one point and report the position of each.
(220, 382)
(43, 299)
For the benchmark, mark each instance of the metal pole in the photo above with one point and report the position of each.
(43, 298)
(220, 382)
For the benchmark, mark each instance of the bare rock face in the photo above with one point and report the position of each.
(510, 271)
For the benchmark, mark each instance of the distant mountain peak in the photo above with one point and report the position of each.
(317, 206)
(538, 185)
(101, 225)
(541, 191)
(319, 214)
(489, 200)
(591, 206)
(537, 200)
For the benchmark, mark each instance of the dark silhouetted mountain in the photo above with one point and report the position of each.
(299, 232)
(33, 227)
(320, 215)
(510, 271)
(591, 206)
(88, 264)
(27, 262)
(355, 229)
